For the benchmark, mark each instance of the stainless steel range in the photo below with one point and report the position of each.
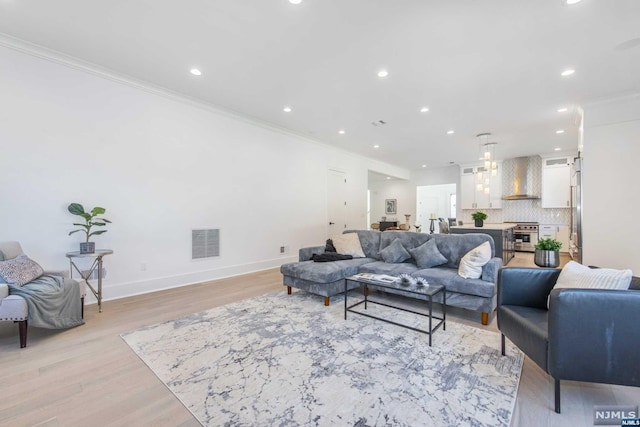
(525, 235)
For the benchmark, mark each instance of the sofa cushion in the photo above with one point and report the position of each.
(455, 246)
(323, 272)
(471, 264)
(409, 239)
(527, 328)
(454, 283)
(395, 253)
(370, 242)
(381, 267)
(427, 255)
(348, 244)
(20, 270)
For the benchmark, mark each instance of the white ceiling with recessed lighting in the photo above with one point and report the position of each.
(477, 66)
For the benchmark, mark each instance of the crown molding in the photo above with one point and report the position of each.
(51, 55)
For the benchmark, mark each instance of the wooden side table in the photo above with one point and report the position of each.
(97, 264)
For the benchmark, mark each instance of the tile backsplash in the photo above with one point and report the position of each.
(528, 210)
(522, 211)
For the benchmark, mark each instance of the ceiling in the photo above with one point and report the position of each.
(479, 66)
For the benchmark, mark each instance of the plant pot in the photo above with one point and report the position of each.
(544, 258)
(479, 222)
(88, 248)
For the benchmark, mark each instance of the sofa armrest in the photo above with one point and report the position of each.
(490, 270)
(304, 254)
(527, 287)
(594, 335)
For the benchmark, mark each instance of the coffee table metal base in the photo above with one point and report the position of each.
(432, 328)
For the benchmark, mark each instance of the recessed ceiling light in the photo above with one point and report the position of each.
(572, 1)
(567, 72)
(295, 1)
(388, 177)
(560, 131)
(563, 110)
(376, 146)
(287, 109)
(383, 73)
(424, 166)
(424, 110)
(450, 132)
(557, 149)
(341, 132)
(195, 72)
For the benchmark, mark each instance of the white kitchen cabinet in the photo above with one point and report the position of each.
(468, 188)
(558, 232)
(471, 198)
(556, 182)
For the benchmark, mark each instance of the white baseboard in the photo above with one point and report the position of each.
(140, 287)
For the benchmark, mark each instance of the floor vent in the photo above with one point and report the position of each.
(205, 243)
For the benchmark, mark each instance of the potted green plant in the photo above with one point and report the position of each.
(547, 253)
(479, 218)
(91, 220)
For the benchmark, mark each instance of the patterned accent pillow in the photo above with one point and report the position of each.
(471, 264)
(20, 270)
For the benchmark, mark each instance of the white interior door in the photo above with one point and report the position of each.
(336, 202)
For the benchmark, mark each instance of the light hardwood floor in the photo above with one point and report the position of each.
(88, 376)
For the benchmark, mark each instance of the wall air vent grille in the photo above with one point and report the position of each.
(205, 243)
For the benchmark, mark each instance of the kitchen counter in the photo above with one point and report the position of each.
(487, 226)
(502, 234)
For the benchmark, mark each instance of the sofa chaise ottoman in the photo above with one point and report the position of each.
(328, 278)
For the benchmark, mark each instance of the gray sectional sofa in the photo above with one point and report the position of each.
(328, 278)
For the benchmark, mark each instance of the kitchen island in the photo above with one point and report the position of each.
(502, 237)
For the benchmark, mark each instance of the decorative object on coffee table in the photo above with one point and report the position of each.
(479, 217)
(91, 220)
(547, 253)
(407, 280)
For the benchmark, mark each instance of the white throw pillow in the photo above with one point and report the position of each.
(578, 276)
(348, 244)
(471, 264)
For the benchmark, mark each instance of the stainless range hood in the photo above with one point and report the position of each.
(519, 173)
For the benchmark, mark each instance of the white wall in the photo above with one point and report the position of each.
(404, 190)
(611, 203)
(160, 166)
(394, 189)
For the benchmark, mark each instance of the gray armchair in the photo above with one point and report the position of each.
(14, 308)
(589, 335)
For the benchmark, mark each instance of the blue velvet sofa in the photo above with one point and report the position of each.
(328, 278)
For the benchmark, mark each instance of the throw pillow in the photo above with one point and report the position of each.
(471, 264)
(427, 255)
(394, 253)
(20, 270)
(348, 244)
(578, 276)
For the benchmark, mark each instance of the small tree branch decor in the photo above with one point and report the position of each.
(91, 220)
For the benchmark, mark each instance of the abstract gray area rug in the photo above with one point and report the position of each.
(287, 360)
